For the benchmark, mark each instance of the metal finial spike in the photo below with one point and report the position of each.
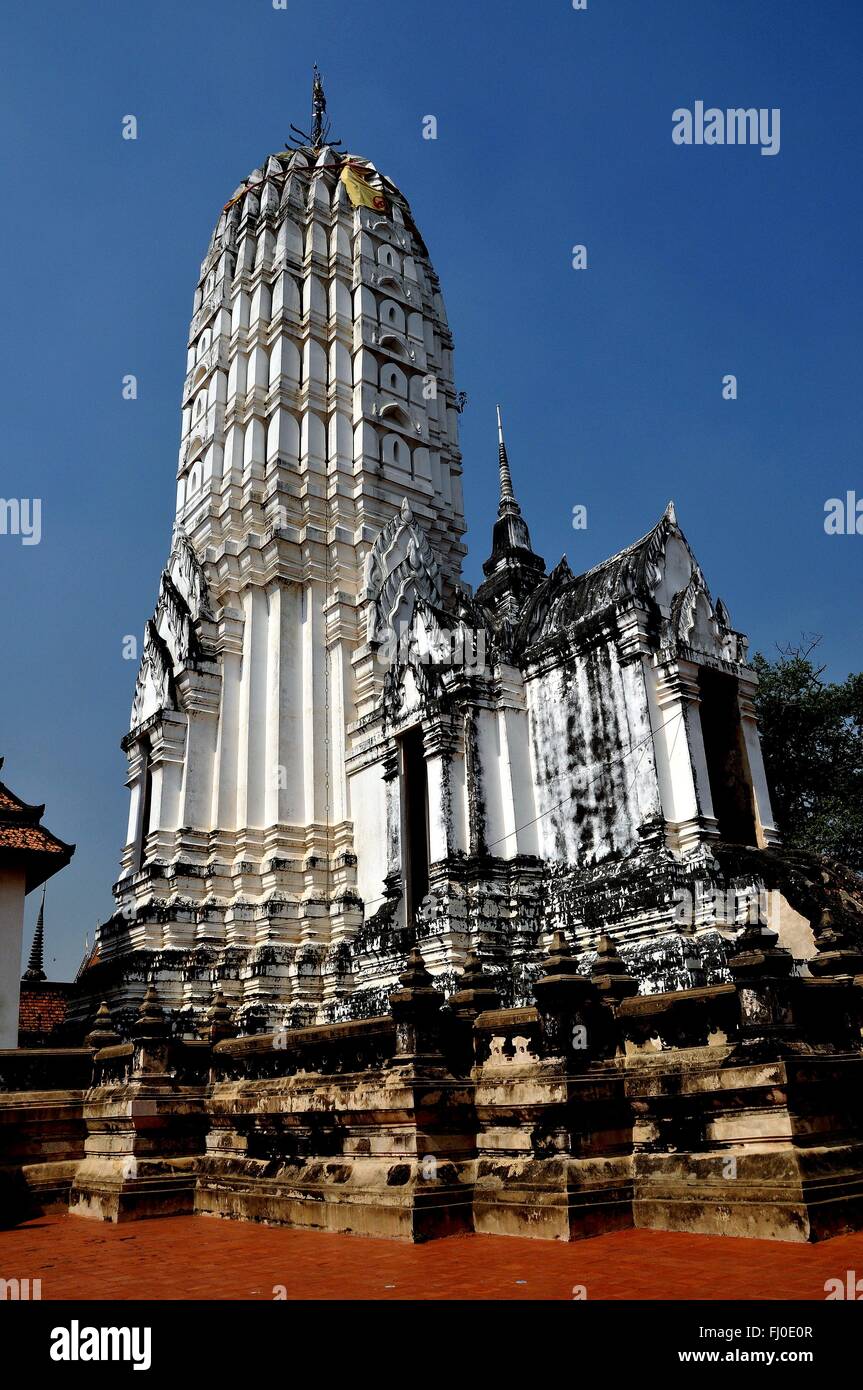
(321, 128)
(507, 496)
(319, 106)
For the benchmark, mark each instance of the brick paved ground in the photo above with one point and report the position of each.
(192, 1257)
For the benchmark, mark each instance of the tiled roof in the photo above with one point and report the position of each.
(30, 837)
(25, 842)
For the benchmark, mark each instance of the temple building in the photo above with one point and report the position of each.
(337, 750)
(439, 910)
(29, 856)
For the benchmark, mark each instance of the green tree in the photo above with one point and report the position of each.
(812, 737)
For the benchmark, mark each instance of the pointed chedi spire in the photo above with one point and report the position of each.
(513, 569)
(507, 496)
(36, 964)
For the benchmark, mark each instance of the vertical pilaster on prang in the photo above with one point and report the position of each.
(767, 832)
(394, 879)
(688, 803)
(442, 741)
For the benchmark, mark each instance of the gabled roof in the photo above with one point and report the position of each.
(92, 956)
(633, 573)
(24, 843)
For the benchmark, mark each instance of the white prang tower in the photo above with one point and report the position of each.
(318, 402)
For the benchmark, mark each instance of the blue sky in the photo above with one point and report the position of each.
(554, 129)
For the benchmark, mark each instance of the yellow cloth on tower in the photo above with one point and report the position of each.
(360, 191)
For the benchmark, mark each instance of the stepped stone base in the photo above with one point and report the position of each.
(729, 1109)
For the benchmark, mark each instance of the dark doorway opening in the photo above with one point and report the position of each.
(414, 787)
(727, 763)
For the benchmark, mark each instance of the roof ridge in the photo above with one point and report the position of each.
(627, 549)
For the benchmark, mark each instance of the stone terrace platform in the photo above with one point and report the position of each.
(199, 1257)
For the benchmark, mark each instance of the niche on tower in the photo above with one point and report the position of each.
(727, 761)
(413, 778)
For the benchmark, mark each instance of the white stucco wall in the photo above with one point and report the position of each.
(11, 932)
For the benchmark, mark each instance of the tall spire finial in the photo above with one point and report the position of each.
(507, 496)
(320, 131)
(513, 561)
(319, 106)
(36, 964)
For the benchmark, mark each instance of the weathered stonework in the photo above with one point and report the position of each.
(731, 1108)
(336, 749)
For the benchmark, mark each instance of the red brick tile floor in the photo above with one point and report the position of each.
(199, 1257)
